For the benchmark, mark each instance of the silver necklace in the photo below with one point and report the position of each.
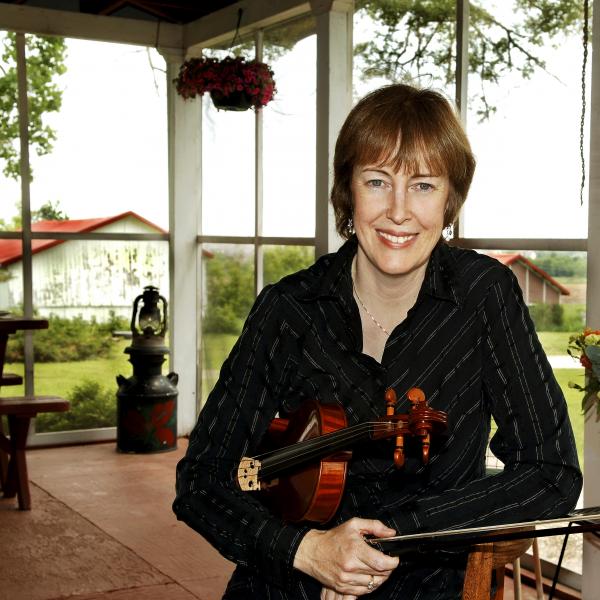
(368, 311)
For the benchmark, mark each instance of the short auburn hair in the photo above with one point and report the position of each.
(406, 128)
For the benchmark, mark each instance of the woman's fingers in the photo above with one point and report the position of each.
(341, 559)
(329, 594)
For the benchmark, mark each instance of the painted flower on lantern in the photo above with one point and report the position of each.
(585, 347)
(163, 421)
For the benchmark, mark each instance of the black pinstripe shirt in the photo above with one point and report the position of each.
(468, 343)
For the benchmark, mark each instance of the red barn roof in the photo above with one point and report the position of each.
(11, 250)
(509, 259)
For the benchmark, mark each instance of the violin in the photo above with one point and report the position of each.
(302, 475)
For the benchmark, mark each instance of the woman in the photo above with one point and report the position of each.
(395, 307)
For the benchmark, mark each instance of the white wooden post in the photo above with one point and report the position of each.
(591, 454)
(185, 152)
(334, 100)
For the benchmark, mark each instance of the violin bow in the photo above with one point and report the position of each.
(579, 521)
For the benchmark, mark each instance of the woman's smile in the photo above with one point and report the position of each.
(398, 217)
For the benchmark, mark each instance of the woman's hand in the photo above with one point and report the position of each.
(342, 561)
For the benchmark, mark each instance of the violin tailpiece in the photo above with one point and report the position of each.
(247, 474)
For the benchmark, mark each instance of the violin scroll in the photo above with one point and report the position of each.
(422, 421)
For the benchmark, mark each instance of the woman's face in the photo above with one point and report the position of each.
(398, 216)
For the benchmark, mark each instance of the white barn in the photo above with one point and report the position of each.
(87, 278)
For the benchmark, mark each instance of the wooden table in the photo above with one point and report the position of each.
(19, 411)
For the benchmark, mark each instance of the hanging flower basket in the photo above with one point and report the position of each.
(233, 83)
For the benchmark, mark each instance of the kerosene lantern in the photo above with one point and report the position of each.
(147, 401)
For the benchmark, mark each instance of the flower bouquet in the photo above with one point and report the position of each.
(585, 347)
(233, 83)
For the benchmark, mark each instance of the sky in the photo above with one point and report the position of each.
(111, 152)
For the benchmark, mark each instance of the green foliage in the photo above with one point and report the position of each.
(558, 317)
(562, 264)
(92, 405)
(45, 62)
(412, 38)
(280, 261)
(230, 292)
(49, 211)
(67, 340)
(230, 283)
(547, 317)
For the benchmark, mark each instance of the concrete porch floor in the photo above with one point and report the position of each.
(101, 527)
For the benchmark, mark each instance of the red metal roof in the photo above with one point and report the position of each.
(509, 259)
(11, 250)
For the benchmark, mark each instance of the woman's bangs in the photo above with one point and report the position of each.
(405, 147)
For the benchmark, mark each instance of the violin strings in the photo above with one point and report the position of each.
(308, 448)
(328, 439)
(298, 451)
(325, 438)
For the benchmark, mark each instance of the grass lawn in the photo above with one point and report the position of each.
(555, 342)
(59, 378)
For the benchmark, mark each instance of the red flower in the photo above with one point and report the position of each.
(585, 361)
(232, 74)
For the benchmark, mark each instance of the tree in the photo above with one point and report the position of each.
(230, 283)
(45, 63)
(49, 211)
(412, 38)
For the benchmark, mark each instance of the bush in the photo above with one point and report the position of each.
(92, 406)
(558, 317)
(68, 340)
(547, 317)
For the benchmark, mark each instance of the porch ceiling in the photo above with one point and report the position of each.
(178, 12)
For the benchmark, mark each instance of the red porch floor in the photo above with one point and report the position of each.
(101, 527)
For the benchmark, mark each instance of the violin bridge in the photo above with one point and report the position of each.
(247, 474)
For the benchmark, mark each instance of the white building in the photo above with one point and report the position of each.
(88, 277)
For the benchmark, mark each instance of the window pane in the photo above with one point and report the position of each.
(110, 155)
(11, 287)
(289, 132)
(554, 288)
(528, 174)
(279, 261)
(397, 44)
(86, 290)
(227, 296)
(228, 165)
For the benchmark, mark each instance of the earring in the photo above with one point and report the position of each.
(350, 227)
(448, 232)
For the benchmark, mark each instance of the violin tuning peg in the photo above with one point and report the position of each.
(415, 395)
(390, 401)
(390, 396)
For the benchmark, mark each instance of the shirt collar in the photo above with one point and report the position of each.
(442, 276)
(332, 275)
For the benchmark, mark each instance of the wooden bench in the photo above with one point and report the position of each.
(5, 380)
(10, 379)
(19, 412)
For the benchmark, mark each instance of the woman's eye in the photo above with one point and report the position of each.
(422, 186)
(376, 183)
